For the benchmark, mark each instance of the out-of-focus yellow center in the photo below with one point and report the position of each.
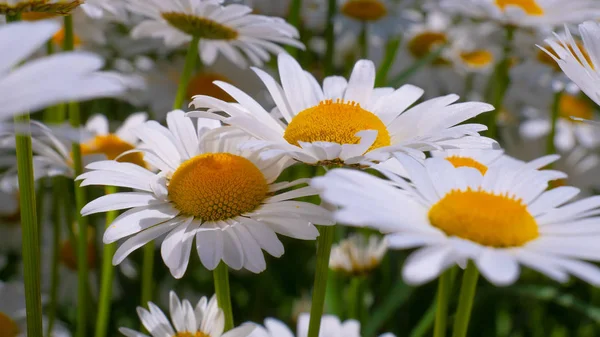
(217, 186)
(59, 38)
(191, 334)
(424, 43)
(112, 147)
(458, 161)
(486, 218)
(364, 10)
(68, 254)
(575, 106)
(528, 6)
(202, 84)
(546, 59)
(199, 26)
(336, 122)
(8, 327)
(57, 8)
(36, 16)
(477, 58)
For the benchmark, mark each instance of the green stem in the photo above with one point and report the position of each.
(500, 81)
(294, 20)
(188, 69)
(324, 242)
(69, 41)
(56, 230)
(407, 72)
(391, 49)
(148, 273)
(13, 18)
(107, 276)
(443, 295)
(550, 146)
(425, 322)
(363, 41)
(221, 278)
(465, 302)
(30, 229)
(330, 37)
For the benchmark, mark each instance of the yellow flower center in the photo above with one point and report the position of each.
(59, 38)
(36, 16)
(191, 334)
(458, 161)
(60, 7)
(8, 327)
(477, 58)
(364, 10)
(217, 186)
(202, 84)
(546, 59)
(336, 122)
(575, 106)
(424, 43)
(528, 6)
(485, 218)
(68, 255)
(201, 27)
(112, 147)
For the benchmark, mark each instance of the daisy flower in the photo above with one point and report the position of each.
(500, 220)
(105, 9)
(525, 13)
(357, 254)
(62, 7)
(331, 326)
(380, 18)
(206, 188)
(343, 122)
(204, 319)
(227, 29)
(48, 80)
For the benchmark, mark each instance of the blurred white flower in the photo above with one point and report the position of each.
(357, 254)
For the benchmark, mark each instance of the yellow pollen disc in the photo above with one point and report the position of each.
(458, 161)
(202, 84)
(364, 10)
(485, 218)
(424, 43)
(36, 16)
(546, 59)
(217, 186)
(201, 27)
(68, 255)
(477, 58)
(336, 122)
(191, 334)
(59, 8)
(528, 6)
(8, 327)
(575, 106)
(59, 38)
(112, 146)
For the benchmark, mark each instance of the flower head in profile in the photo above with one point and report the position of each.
(525, 13)
(48, 80)
(500, 220)
(345, 121)
(228, 29)
(57, 7)
(205, 319)
(357, 254)
(331, 326)
(207, 189)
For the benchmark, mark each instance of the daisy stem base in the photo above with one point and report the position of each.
(107, 276)
(324, 242)
(147, 273)
(191, 59)
(550, 146)
(443, 295)
(56, 237)
(330, 37)
(465, 302)
(294, 20)
(221, 278)
(30, 230)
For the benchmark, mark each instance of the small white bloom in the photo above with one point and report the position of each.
(357, 254)
(331, 326)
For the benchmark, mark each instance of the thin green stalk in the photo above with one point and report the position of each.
(391, 49)
(330, 37)
(425, 322)
(334, 297)
(148, 273)
(416, 66)
(465, 301)
(30, 230)
(394, 299)
(188, 69)
(354, 297)
(221, 278)
(550, 146)
(107, 276)
(324, 242)
(294, 20)
(82, 231)
(443, 296)
(56, 237)
(500, 81)
(363, 41)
